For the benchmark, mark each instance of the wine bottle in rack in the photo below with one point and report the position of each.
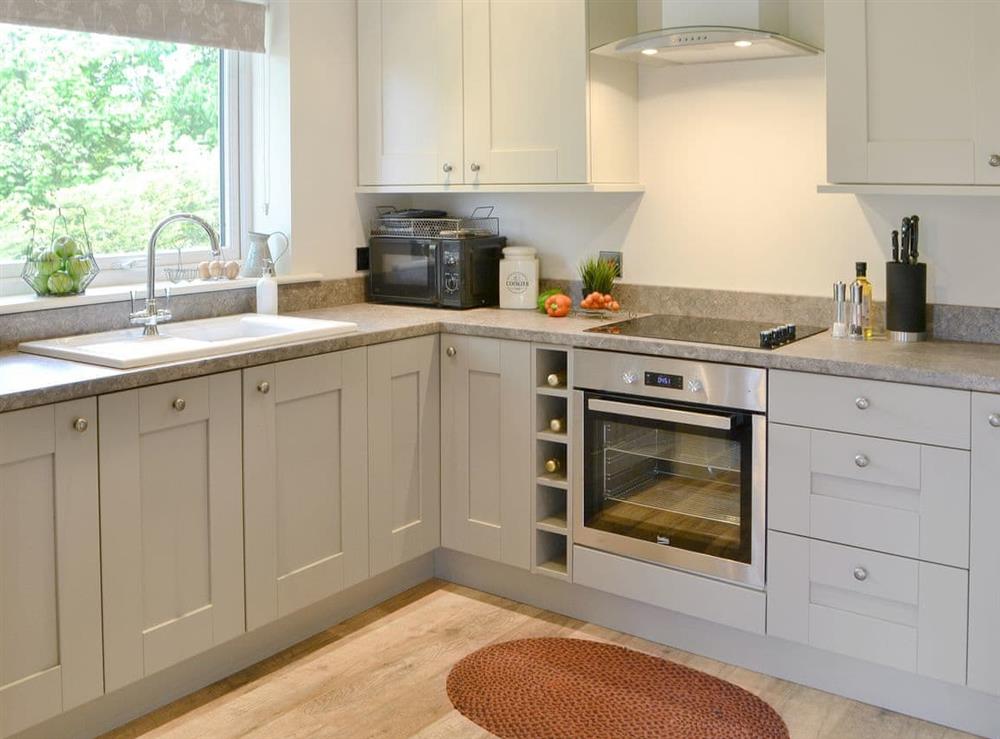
(557, 425)
(553, 466)
(557, 379)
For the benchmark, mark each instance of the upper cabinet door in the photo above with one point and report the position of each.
(911, 91)
(50, 567)
(525, 91)
(410, 92)
(486, 437)
(404, 442)
(171, 523)
(305, 446)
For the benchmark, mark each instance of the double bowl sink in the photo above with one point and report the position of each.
(185, 340)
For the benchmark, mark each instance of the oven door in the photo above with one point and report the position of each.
(671, 484)
(404, 270)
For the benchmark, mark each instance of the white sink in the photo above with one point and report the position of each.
(128, 348)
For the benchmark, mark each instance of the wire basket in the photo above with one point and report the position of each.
(390, 222)
(66, 266)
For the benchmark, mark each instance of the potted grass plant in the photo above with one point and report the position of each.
(598, 277)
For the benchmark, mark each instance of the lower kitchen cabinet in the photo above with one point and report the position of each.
(305, 444)
(984, 550)
(404, 444)
(486, 437)
(50, 570)
(171, 523)
(892, 610)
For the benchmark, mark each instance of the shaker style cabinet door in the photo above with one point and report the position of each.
(984, 550)
(410, 92)
(171, 523)
(50, 567)
(305, 450)
(898, 112)
(525, 82)
(404, 444)
(486, 437)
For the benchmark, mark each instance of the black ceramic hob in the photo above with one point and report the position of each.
(749, 334)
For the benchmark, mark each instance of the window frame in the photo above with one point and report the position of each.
(236, 162)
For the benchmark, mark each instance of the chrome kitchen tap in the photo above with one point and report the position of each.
(150, 316)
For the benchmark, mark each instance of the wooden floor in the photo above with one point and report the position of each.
(382, 673)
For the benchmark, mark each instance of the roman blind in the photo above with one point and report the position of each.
(225, 24)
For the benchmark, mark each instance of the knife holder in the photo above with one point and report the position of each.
(906, 301)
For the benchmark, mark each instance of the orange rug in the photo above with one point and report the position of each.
(548, 688)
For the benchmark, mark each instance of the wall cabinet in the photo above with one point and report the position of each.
(50, 576)
(171, 523)
(486, 436)
(911, 91)
(449, 93)
(306, 488)
(404, 461)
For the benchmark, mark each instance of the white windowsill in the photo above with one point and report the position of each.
(115, 293)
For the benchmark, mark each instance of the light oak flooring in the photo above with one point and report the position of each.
(382, 673)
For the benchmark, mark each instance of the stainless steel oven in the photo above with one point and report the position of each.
(669, 462)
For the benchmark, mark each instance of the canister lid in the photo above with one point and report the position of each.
(522, 252)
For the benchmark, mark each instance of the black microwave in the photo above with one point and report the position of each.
(445, 272)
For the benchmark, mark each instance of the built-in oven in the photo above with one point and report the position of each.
(669, 460)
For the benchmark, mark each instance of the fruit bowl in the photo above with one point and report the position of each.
(65, 267)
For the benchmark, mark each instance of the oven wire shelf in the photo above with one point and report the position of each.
(715, 501)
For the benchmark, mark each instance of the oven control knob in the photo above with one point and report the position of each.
(630, 377)
(695, 386)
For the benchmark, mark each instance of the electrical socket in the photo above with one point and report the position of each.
(612, 256)
(362, 259)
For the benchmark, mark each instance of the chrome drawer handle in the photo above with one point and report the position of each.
(451, 351)
(474, 167)
(447, 167)
(994, 419)
(264, 387)
(179, 404)
(80, 425)
(862, 402)
(861, 460)
(860, 574)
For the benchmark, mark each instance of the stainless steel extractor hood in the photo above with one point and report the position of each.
(704, 31)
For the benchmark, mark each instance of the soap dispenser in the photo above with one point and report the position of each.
(267, 290)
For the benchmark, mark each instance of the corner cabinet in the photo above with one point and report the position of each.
(449, 93)
(171, 523)
(486, 438)
(50, 570)
(305, 494)
(911, 92)
(404, 442)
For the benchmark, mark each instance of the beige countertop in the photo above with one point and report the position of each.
(27, 380)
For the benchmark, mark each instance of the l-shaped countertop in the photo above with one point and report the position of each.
(27, 380)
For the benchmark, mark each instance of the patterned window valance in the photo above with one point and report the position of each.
(226, 24)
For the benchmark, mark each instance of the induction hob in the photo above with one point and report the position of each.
(749, 334)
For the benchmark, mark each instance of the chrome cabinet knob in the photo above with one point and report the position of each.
(447, 167)
(861, 460)
(695, 385)
(862, 402)
(179, 404)
(474, 167)
(264, 387)
(995, 160)
(451, 351)
(81, 425)
(860, 574)
(630, 377)
(994, 420)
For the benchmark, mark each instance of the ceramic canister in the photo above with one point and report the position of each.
(519, 278)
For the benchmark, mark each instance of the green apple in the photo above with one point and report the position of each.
(40, 284)
(60, 283)
(78, 268)
(66, 246)
(48, 262)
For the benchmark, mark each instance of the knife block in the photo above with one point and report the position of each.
(906, 301)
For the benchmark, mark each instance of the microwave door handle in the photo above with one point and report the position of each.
(655, 413)
(433, 259)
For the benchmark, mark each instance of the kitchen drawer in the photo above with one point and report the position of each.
(926, 415)
(881, 608)
(891, 496)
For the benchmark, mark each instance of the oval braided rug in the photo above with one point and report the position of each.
(551, 687)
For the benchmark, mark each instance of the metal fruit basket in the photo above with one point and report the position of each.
(391, 222)
(67, 265)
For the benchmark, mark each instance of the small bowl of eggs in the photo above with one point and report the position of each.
(217, 269)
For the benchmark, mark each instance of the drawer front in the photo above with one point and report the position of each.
(925, 415)
(881, 608)
(891, 496)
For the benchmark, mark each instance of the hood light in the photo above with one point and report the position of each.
(743, 44)
(650, 52)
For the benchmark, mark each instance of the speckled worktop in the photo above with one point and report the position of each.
(27, 380)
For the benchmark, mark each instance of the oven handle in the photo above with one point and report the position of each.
(671, 415)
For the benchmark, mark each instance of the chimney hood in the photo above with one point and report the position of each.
(705, 31)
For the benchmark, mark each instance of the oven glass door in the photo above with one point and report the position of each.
(404, 269)
(662, 478)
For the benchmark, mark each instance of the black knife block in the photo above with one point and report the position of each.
(906, 299)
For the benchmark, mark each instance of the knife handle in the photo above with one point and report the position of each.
(895, 246)
(914, 236)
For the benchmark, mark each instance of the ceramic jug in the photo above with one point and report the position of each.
(259, 253)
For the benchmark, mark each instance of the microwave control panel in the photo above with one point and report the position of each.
(451, 274)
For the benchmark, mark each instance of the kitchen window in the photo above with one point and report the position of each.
(132, 130)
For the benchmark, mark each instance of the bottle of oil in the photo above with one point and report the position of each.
(861, 269)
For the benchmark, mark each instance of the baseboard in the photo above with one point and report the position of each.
(132, 701)
(932, 700)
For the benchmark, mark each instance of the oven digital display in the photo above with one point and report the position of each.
(660, 379)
